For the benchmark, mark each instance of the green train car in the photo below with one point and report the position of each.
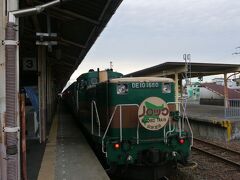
(134, 120)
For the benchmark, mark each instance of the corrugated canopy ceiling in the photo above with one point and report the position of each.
(77, 23)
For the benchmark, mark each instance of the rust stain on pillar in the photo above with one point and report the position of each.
(23, 137)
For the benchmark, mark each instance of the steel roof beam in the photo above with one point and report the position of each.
(66, 55)
(194, 73)
(64, 12)
(169, 72)
(59, 16)
(72, 59)
(65, 41)
(63, 63)
(236, 69)
(94, 29)
(209, 72)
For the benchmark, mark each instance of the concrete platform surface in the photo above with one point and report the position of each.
(207, 112)
(209, 121)
(35, 151)
(69, 153)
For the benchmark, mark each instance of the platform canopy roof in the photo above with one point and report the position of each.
(77, 23)
(197, 69)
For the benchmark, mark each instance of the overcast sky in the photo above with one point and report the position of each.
(144, 33)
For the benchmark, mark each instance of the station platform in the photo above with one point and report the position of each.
(209, 121)
(67, 155)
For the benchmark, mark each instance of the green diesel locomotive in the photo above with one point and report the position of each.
(134, 120)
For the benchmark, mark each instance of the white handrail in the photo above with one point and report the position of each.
(92, 117)
(94, 106)
(171, 129)
(138, 133)
(189, 126)
(104, 135)
(120, 115)
(120, 121)
(179, 110)
(181, 122)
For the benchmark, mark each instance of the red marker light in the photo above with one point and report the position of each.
(117, 146)
(181, 141)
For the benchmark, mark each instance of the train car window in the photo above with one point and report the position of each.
(92, 82)
(166, 88)
(122, 89)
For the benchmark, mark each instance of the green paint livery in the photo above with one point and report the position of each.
(153, 106)
(133, 145)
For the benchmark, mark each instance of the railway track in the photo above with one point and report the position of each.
(227, 155)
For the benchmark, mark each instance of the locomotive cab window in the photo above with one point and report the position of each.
(122, 89)
(166, 88)
(83, 84)
(94, 81)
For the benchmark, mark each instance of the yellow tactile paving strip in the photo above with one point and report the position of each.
(0, 135)
(1, 128)
(47, 170)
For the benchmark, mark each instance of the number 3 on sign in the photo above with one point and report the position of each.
(29, 64)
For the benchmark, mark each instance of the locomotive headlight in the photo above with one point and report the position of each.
(122, 89)
(166, 88)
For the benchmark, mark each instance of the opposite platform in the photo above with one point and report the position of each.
(68, 156)
(209, 121)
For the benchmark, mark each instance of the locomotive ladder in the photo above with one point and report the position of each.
(120, 119)
(94, 107)
(181, 122)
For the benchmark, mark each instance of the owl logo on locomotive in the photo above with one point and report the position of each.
(153, 113)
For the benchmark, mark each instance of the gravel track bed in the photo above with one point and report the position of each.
(210, 168)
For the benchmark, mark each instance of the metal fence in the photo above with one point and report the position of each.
(233, 109)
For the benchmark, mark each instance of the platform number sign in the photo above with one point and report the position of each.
(29, 64)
